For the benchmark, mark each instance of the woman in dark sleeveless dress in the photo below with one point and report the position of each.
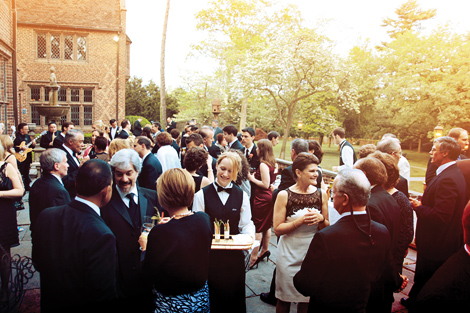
(225, 201)
(10, 188)
(299, 212)
(262, 210)
(193, 160)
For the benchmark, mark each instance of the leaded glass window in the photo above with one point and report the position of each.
(75, 95)
(41, 46)
(62, 94)
(75, 114)
(88, 95)
(81, 48)
(35, 117)
(68, 47)
(55, 47)
(87, 115)
(35, 93)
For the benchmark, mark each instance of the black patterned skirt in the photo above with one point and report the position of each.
(194, 302)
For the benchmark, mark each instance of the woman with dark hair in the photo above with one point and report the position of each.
(406, 232)
(299, 212)
(221, 142)
(314, 148)
(90, 150)
(194, 159)
(262, 210)
(10, 188)
(177, 253)
(147, 132)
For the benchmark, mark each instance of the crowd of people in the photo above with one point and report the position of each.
(94, 249)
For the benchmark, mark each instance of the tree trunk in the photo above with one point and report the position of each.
(162, 70)
(290, 117)
(419, 145)
(320, 140)
(243, 113)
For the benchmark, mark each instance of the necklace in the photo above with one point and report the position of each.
(182, 214)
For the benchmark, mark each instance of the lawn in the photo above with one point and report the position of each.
(418, 161)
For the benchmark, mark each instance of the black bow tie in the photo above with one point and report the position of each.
(220, 188)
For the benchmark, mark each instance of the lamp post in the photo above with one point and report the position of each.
(438, 131)
(300, 125)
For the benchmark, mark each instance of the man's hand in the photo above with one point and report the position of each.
(335, 168)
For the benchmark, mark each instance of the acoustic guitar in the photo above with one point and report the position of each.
(23, 154)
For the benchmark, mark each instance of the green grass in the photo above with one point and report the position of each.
(418, 161)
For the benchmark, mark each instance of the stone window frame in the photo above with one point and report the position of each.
(62, 36)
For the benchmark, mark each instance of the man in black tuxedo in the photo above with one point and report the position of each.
(230, 135)
(72, 145)
(59, 140)
(345, 259)
(126, 129)
(439, 228)
(383, 209)
(195, 140)
(171, 124)
(174, 135)
(298, 146)
(449, 287)
(392, 146)
(151, 167)
(47, 140)
(137, 127)
(461, 136)
(124, 215)
(23, 167)
(208, 136)
(114, 129)
(248, 141)
(74, 250)
(48, 190)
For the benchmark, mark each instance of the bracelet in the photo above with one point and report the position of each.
(210, 170)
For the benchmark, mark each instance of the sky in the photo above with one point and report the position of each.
(350, 22)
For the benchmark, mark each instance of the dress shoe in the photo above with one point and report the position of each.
(267, 298)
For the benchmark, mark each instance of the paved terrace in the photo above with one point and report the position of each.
(257, 280)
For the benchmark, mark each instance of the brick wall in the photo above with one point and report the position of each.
(93, 19)
(6, 52)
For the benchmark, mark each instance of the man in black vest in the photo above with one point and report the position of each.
(347, 156)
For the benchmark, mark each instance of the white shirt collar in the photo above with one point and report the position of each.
(232, 142)
(69, 151)
(145, 156)
(355, 213)
(250, 148)
(58, 178)
(216, 184)
(441, 168)
(90, 204)
(123, 195)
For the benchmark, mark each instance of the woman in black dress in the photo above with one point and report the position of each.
(227, 202)
(177, 254)
(10, 188)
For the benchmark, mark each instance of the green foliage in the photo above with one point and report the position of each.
(144, 100)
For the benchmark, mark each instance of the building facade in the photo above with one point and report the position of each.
(86, 43)
(7, 68)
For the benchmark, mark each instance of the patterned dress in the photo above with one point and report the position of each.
(292, 247)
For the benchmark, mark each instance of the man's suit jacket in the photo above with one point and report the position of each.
(151, 170)
(118, 129)
(402, 186)
(175, 146)
(75, 252)
(448, 289)
(217, 131)
(341, 264)
(58, 141)
(129, 277)
(237, 145)
(46, 192)
(464, 167)
(439, 232)
(254, 159)
(287, 180)
(431, 169)
(123, 134)
(69, 180)
(137, 128)
(47, 139)
(384, 209)
(214, 151)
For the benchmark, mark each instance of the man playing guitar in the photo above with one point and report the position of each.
(22, 136)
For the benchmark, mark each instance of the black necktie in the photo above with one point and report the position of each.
(220, 188)
(133, 210)
(246, 153)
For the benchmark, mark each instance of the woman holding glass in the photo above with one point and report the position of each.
(262, 210)
(223, 200)
(299, 212)
(177, 253)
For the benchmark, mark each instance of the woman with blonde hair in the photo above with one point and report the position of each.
(10, 188)
(180, 286)
(118, 144)
(262, 210)
(224, 201)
